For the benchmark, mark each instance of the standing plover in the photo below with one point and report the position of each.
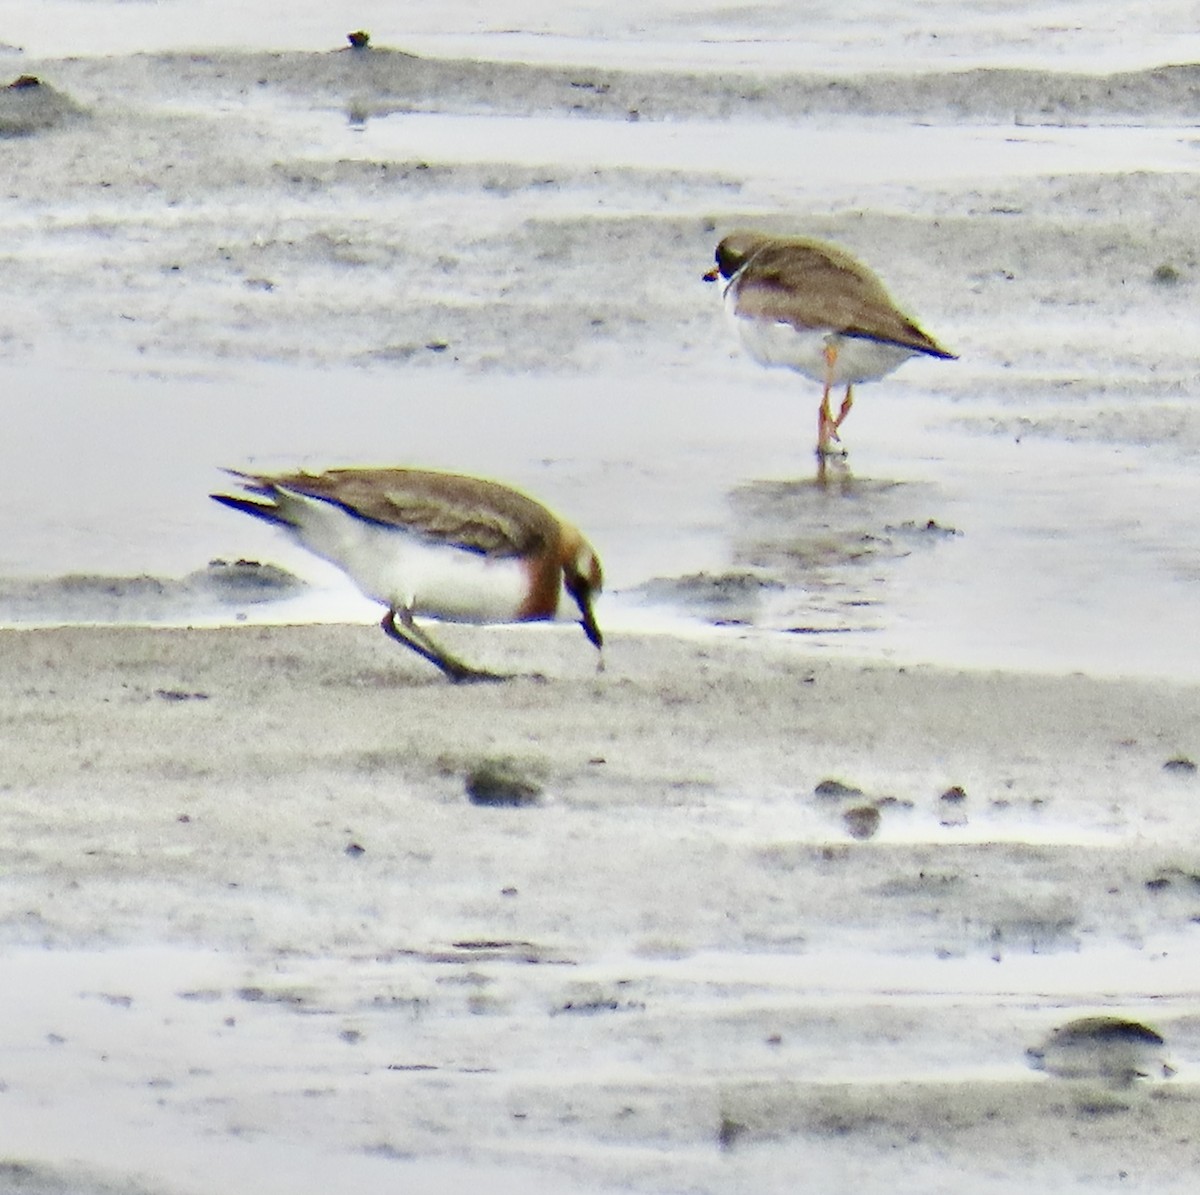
(438, 544)
(811, 307)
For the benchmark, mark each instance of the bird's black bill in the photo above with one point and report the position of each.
(590, 629)
(581, 591)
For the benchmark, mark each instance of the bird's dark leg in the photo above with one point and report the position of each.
(414, 638)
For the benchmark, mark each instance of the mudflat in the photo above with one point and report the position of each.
(283, 905)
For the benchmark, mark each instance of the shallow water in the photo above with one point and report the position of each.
(962, 545)
(570, 348)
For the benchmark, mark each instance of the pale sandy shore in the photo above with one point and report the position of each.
(258, 934)
(282, 911)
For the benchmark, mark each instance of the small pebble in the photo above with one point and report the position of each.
(1109, 1050)
(502, 783)
(862, 821)
(728, 1132)
(952, 807)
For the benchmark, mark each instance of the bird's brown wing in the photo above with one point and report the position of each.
(810, 286)
(482, 516)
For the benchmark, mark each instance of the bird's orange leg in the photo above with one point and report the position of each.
(847, 403)
(826, 425)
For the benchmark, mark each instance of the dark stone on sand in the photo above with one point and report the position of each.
(1181, 765)
(952, 806)
(1111, 1050)
(835, 790)
(360, 39)
(501, 782)
(862, 821)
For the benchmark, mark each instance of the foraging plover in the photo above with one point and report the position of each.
(442, 545)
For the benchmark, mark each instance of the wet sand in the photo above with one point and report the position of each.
(283, 911)
(259, 926)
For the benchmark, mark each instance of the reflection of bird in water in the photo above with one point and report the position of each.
(811, 307)
(437, 544)
(1103, 1051)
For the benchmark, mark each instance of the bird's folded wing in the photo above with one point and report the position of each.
(810, 290)
(472, 513)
